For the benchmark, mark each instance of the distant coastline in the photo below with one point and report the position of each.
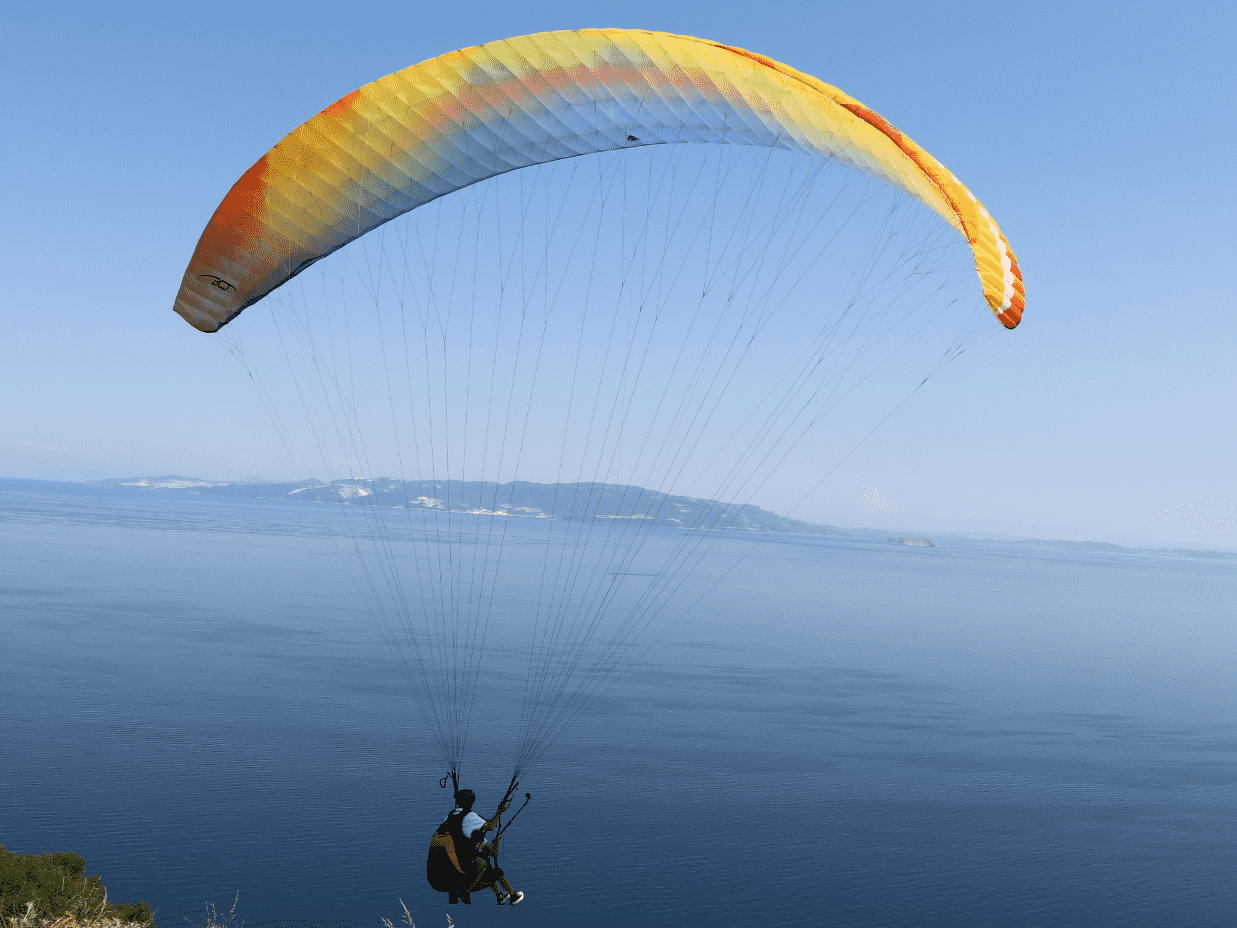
(1100, 547)
(571, 502)
(603, 502)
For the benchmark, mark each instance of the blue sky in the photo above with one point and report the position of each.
(1098, 135)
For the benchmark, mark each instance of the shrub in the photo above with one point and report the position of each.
(57, 885)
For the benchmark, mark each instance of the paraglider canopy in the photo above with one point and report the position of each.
(457, 119)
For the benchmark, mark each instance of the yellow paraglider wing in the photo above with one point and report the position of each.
(423, 132)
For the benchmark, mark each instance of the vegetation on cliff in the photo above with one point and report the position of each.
(39, 890)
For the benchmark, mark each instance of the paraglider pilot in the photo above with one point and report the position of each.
(459, 858)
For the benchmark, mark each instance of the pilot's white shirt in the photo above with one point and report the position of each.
(472, 822)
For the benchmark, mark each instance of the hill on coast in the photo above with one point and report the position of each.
(574, 502)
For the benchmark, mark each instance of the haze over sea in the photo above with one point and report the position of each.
(843, 733)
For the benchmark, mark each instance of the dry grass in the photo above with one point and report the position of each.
(211, 917)
(81, 916)
(87, 916)
(407, 919)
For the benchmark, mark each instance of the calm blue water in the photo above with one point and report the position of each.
(847, 733)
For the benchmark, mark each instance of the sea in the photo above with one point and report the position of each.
(842, 732)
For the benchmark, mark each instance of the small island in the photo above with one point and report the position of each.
(919, 542)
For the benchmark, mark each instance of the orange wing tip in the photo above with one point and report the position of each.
(1008, 309)
(1010, 318)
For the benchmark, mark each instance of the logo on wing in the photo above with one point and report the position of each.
(218, 282)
